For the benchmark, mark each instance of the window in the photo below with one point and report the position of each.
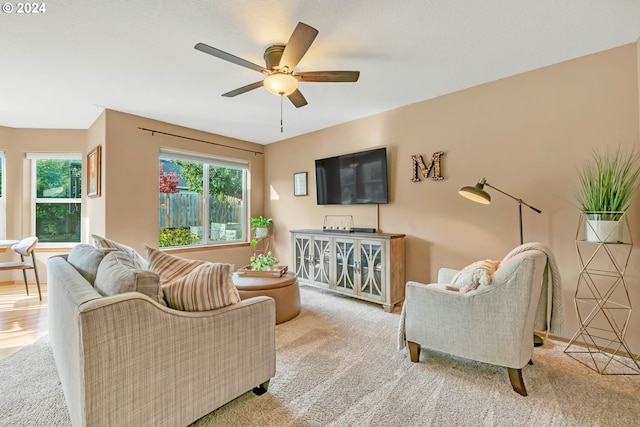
(3, 221)
(57, 196)
(202, 200)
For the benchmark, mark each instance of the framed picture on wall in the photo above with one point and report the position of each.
(300, 184)
(94, 160)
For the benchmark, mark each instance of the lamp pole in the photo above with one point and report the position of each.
(520, 203)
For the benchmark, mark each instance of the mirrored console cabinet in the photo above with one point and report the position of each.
(368, 266)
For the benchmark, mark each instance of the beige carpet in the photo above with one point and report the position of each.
(338, 366)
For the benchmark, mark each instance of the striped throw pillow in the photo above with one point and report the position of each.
(192, 285)
(169, 267)
(207, 287)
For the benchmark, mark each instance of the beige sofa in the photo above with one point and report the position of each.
(128, 360)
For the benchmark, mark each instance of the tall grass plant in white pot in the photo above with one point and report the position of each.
(607, 184)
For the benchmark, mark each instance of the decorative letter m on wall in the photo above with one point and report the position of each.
(434, 165)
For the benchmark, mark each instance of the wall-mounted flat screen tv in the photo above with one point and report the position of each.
(353, 179)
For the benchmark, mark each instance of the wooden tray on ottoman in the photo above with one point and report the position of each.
(277, 271)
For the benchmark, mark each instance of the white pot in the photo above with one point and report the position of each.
(603, 231)
(262, 232)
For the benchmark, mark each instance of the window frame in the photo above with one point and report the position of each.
(212, 160)
(34, 157)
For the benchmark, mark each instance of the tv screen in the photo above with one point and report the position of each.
(349, 179)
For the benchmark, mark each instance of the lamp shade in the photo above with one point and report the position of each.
(476, 193)
(281, 84)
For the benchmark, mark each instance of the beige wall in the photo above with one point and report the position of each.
(526, 134)
(127, 210)
(130, 189)
(16, 143)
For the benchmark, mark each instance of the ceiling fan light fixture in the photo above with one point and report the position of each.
(281, 84)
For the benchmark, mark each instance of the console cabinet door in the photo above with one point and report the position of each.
(321, 261)
(371, 269)
(312, 259)
(346, 265)
(302, 257)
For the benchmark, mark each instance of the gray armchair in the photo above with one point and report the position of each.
(493, 323)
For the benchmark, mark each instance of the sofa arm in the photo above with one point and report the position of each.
(145, 364)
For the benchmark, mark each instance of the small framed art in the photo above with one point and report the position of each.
(94, 161)
(300, 184)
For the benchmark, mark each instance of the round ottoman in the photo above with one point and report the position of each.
(284, 290)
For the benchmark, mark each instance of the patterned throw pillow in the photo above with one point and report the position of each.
(192, 285)
(474, 275)
(169, 267)
(102, 242)
(207, 287)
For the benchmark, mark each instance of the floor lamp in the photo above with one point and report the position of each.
(479, 195)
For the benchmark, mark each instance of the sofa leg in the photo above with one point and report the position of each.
(515, 376)
(414, 351)
(261, 389)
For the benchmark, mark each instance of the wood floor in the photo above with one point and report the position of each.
(23, 319)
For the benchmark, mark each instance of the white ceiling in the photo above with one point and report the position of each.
(60, 68)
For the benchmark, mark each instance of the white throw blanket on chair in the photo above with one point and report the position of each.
(550, 313)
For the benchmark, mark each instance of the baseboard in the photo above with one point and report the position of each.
(584, 344)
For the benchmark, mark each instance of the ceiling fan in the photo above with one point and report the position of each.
(281, 60)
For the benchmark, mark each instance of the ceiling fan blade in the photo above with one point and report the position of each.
(297, 99)
(229, 57)
(297, 46)
(243, 89)
(328, 76)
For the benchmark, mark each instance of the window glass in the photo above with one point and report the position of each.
(58, 199)
(201, 202)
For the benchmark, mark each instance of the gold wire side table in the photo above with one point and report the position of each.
(602, 300)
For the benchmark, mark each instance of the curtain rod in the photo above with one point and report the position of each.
(153, 132)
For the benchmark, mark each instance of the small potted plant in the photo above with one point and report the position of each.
(261, 262)
(607, 183)
(261, 227)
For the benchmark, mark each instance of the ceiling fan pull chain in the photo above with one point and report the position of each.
(281, 127)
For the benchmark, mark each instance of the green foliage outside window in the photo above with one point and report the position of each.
(181, 215)
(58, 179)
(222, 180)
(180, 236)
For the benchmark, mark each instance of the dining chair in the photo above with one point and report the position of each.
(25, 248)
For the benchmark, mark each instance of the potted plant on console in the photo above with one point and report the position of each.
(260, 226)
(607, 183)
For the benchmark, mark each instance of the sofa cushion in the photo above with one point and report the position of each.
(118, 273)
(102, 242)
(206, 287)
(86, 259)
(474, 275)
(169, 267)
